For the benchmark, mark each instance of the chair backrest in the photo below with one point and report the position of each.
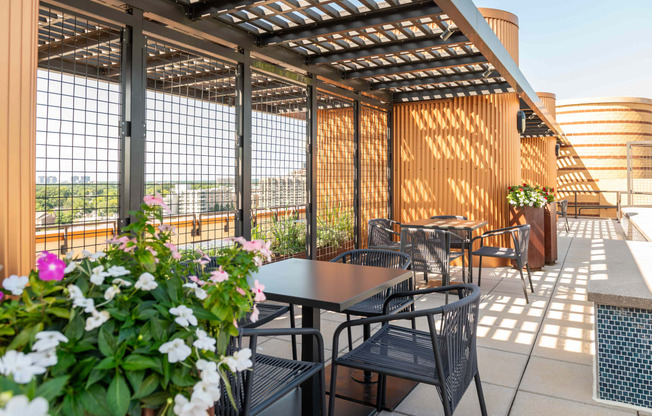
(448, 217)
(563, 205)
(457, 343)
(377, 258)
(378, 234)
(429, 249)
(523, 240)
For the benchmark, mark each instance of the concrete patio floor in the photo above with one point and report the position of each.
(534, 359)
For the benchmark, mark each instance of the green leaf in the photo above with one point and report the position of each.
(65, 362)
(147, 314)
(148, 386)
(118, 396)
(135, 378)
(106, 342)
(94, 401)
(155, 400)
(106, 364)
(51, 388)
(24, 336)
(95, 376)
(75, 329)
(72, 406)
(59, 312)
(136, 362)
(181, 377)
(157, 330)
(8, 385)
(202, 313)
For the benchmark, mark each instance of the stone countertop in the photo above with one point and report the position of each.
(642, 218)
(621, 274)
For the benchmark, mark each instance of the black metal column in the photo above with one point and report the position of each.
(357, 114)
(243, 153)
(390, 165)
(133, 129)
(311, 170)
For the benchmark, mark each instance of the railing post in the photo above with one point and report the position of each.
(311, 171)
(575, 192)
(358, 174)
(133, 128)
(243, 151)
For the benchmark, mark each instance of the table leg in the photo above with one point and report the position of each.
(469, 249)
(310, 394)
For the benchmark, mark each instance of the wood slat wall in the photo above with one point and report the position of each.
(538, 161)
(18, 52)
(505, 25)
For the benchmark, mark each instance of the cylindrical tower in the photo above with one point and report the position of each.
(505, 25)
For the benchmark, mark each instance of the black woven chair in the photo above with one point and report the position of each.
(381, 234)
(460, 243)
(373, 306)
(271, 378)
(520, 239)
(563, 211)
(430, 251)
(444, 356)
(267, 311)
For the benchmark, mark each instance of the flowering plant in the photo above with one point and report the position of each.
(114, 332)
(529, 196)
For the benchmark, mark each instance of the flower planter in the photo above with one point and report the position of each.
(550, 231)
(535, 218)
(323, 253)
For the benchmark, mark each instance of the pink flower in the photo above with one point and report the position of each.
(154, 253)
(2, 295)
(124, 243)
(254, 314)
(219, 275)
(204, 260)
(240, 291)
(235, 323)
(164, 228)
(259, 296)
(197, 280)
(50, 267)
(175, 251)
(157, 200)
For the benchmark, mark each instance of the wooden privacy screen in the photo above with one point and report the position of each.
(456, 157)
(538, 161)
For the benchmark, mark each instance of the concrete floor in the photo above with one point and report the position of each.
(534, 359)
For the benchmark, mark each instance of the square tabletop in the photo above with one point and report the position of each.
(321, 284)
(451, 224)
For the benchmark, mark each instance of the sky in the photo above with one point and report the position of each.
(584, 48)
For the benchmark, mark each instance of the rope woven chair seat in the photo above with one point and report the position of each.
(499, 252)
(374, 306)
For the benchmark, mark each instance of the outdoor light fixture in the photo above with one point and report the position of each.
(521, 122)
(486, 73)
(557, 149)
(446, 34)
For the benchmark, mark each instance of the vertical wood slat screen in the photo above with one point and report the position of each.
(539, 163)
(456, 157)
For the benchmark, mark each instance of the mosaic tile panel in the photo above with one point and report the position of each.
(624, 355)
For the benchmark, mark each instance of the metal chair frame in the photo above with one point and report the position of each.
(433, 259)
(381, 234)
(451, 350)
(521, 239)
(563, 204)
(465, 237)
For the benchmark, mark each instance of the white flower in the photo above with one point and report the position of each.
(111, 292)
(48, 340)
(98, 275)
(15, 284)
(20, 366)
(96, 320)
(199, 292)
(70, 255)
(46, 358)
(208, 370)
(184, 316)
(94, 257)
(204, 342)
(184, 407)
(87, 304)
(146, 282)
(75, 292)
(240, 361)
(117, 271)
(177, 350)
(70, 267)
(205, 393)
(121, 282)
(21, 406)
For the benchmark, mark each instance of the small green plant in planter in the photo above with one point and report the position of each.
(334, 226)
(115, 332)
(288, 235)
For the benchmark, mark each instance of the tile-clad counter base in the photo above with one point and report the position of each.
(624, 355)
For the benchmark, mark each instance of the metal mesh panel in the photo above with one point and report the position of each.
(374, 152)
(639, 173)
(335, 176)
(191, 143)
(77, 132)
(279, 138)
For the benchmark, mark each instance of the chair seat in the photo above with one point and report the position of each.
(402, 352)
(394, 245)
(500, 252)
(456, 254)
(274, 377)
(374, 306)
(267, 312)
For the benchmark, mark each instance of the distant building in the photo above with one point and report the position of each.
(281, 191)
(191, 201)
(44, 218)
(81, 179)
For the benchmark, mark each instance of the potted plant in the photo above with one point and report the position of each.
(526, 207)
(126, 330)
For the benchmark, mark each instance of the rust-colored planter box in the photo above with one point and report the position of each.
(550, 231)
(534, 217)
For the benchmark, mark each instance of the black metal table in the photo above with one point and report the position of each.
(451, 224)
(317, 285)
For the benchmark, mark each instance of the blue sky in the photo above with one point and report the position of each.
(584, 48)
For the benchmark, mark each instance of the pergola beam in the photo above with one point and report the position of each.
(210, 7)
(80, 42)
(416, 81)
(384, 16)
(437, 94)
(387, 49)
(433, 64)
